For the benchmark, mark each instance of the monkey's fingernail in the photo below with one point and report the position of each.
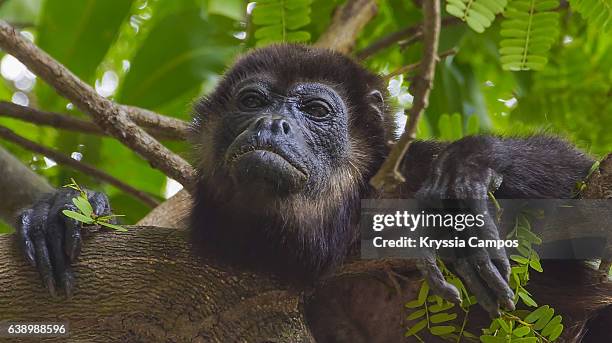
(508, 304)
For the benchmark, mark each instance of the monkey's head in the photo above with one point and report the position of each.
(286, 145)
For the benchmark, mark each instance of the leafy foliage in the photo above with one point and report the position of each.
(597, 12)
(529, 30)
(281, 21)
(478, 14)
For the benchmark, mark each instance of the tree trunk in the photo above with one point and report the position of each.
(146, 286)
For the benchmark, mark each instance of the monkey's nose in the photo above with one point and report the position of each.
(276, 125)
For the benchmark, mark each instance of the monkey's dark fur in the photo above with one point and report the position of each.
(285, 147)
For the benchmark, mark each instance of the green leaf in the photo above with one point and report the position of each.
(413, 304)
(416, 314)
(528, 236)
(544, 319)
(492, 339)
(442, 330)
(556, 332)
(535, 264)
(519, 259)
(280, 21)
(416, 328)
(77, 216)
(423, 292)
(598, 13)
(525, 340)
(521, 331)
(83, 205)
(536, 314)
(234, 9)
(527, 299)
(442, 317)
(201, 47)
(441, 307)
(113, 226)
(502, 323)
(528, 30)
(78, 35)
(478, 14)
(549, 328)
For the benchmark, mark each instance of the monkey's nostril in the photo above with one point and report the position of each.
(286, 127)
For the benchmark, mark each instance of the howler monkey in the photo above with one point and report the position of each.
(285, 146)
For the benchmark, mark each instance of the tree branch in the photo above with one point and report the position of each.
(66, 122)
(145, 285)
(389, 177)
(60, 158)
(411, 33)
(19, 188)
(112, 118)
(346, 24)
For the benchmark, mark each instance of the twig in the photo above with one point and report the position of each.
(60, 158)
(411, 67)
(389, 176)
(159, 124)
(346, 24)
(62, 121)
(111, 118)
(410, 34)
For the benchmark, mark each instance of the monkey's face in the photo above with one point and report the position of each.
(289, 121)
(282, 139)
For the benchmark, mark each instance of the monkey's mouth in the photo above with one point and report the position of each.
(274, 167)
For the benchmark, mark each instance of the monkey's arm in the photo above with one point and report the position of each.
(466, 170)
(51, 241)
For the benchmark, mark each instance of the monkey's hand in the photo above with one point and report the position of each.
(51, 241)
(461, 178)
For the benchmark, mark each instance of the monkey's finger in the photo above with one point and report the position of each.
(24, 226)
(63, 272)
(100, 203)
(72, 239)
(43, 262)
(436, 281)
(497, 255)
(489, 273)
(475, 285)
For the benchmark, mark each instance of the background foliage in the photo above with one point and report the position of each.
(520, 66)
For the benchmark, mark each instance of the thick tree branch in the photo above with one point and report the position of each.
(80, 166)
(388, 177)
(19, 188)
(409, 34)
(346, 24)
(67, 122)
(112, 118)
(146, 286)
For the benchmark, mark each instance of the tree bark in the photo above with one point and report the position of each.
(146, 286)
(19, 188)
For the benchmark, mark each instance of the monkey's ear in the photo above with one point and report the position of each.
(377, 102)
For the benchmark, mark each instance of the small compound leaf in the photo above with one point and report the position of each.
(416, 328)
(77, 216)
(442, 330)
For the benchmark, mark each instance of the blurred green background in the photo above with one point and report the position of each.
(162, 54)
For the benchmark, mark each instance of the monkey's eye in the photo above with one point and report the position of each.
(316, 108)
(252, 100)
